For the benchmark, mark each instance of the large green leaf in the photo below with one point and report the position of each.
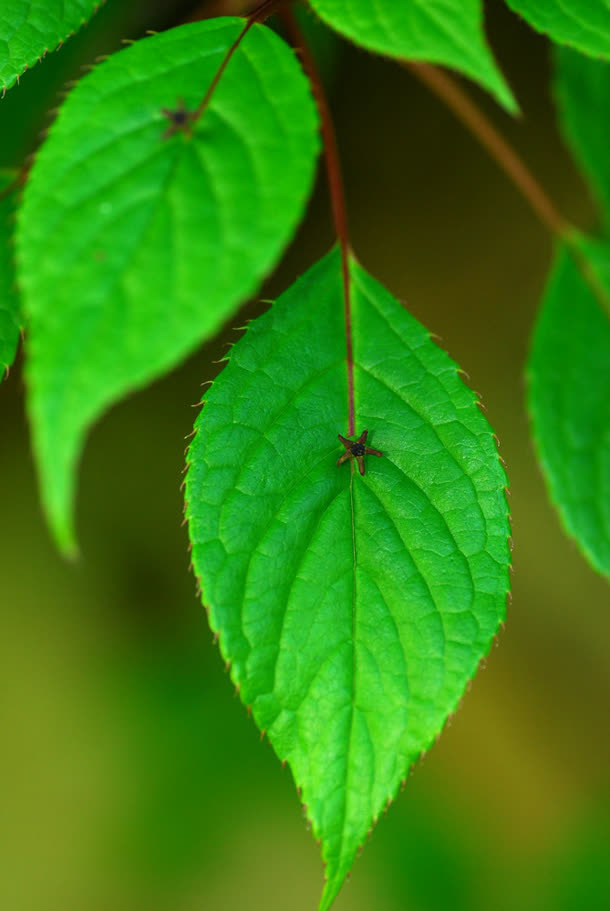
(448, 32)
(132, 247)
(581, 24)
(9, 302)
(582, 88)
(569, 397)
(28, 30)
(353, 610)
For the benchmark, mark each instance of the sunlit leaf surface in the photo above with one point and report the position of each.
(353, 609)
(134, 246)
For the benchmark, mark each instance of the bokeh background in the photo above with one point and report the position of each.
(132, 778)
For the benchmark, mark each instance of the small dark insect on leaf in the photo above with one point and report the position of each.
(180, 119)
(356, 449)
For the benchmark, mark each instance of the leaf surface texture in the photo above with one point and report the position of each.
(581, 24)
(30, 28)
(448, 32)
(353, 610)
(132, 247)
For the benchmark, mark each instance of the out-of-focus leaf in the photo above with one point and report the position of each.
(569, 397)
(448, 32)
(133, 246)
(582, 88)
(28, 30)
(353, 609)
(9, 302)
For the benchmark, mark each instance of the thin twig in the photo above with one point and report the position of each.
(337, 195)
(262, 12)
(463, 107)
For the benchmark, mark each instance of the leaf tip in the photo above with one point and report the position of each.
(65, 540)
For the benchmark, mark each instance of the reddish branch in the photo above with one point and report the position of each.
(337, 196)
(259, 14)
(456, 99)
(462, 106)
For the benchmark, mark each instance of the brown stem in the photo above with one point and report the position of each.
(456, 99)
(337, 195)
(259, 14)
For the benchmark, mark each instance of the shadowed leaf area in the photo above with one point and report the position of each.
(135, 245)
(582, 87)
(353, 608)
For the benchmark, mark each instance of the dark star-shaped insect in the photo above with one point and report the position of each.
(356, 449)
(180, 119)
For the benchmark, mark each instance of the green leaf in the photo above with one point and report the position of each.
(569, 397)
(582, 89)
(449, 32)
(581, 24)
(9, 302)
(353, 610)
(28, 30)
(133, 248)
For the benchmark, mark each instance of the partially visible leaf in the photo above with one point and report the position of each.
(325, 44)
(28, 30)
(569, 366)
(9, 302)
(582, 87)
(581, 24)
(569, 397)
(448, 32)
(353, 610)
(133, 248)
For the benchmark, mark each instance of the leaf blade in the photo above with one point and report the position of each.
(569, 399)
(144, 245)
(583, 26)
(28, 31)
(325, 587)
(448, 33)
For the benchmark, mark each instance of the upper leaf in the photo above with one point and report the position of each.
(448, 32)
(9, 302)
(582, 24)
(582, 88)
(132, 247)
(353, 610)
(569, 397)
(28, 30)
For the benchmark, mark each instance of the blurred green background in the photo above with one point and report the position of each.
(132, 777)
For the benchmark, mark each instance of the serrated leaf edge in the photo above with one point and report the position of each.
(217, 637)
(7, 86)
